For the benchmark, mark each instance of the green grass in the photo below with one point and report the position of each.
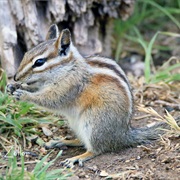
(165, 10)
(3, 80)
(150, 17)
(20, 118)
(13, 116)
(16, 170)
(162, 74)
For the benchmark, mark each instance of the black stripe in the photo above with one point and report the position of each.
(109, 66)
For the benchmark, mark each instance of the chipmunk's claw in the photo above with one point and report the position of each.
(19, 94)
(69, 163)
(11, 88)
(77, 159)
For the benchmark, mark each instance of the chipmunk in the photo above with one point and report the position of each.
(93, 93)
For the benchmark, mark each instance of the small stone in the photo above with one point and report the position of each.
(69, 137)
(46, 131)
(103, 173)
(40, 142)
(73, 178)
(54, 129)
(138, 157)
(82, 174)
(169, 108)
(43, 150)
(93, 168)
(32, 138)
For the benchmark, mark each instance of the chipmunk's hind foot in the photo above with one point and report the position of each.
(61, 142)
(69, 163)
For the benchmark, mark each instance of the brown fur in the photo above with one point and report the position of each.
(97, 63)
(92, 96)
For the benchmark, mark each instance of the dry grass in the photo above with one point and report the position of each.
(168, 118)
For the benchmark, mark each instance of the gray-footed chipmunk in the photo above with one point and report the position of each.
(93, 93)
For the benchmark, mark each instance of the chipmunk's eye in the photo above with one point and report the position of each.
(39, 62)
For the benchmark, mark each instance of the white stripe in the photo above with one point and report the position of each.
(47, 64)
(108, 61)
(76, 53)
(24, 70)
(41, 56)
(30, 64)
(51, 62)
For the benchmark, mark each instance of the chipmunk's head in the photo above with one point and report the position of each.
(43, 63)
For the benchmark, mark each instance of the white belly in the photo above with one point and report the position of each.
(83, 130)
(79, 126)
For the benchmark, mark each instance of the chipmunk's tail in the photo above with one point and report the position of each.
(147, 134)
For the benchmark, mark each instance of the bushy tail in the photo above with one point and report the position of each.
(147, 134)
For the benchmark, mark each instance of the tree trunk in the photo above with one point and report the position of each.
(24, 24)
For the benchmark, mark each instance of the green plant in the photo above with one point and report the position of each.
(10, 117)
(3, 80)
(165, 10)
(162, 74)
(40, 171)
(17, 171)
(148, 17)
(21, 117)
(14, 116)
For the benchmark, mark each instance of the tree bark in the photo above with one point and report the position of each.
(24, 24)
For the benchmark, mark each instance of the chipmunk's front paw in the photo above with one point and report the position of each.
(20, 94)
(10, 88)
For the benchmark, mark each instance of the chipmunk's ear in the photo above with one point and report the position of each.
(53, 32)
(63, 42)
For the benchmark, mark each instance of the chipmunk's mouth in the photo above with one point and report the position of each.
(31, 83)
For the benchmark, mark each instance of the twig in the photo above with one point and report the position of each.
(19, 163)
(142, 117)
(24, 140)
(177, 106)
(4, 139)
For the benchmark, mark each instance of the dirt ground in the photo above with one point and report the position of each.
(155, 161)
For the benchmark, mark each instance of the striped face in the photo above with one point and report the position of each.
(37, 62)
